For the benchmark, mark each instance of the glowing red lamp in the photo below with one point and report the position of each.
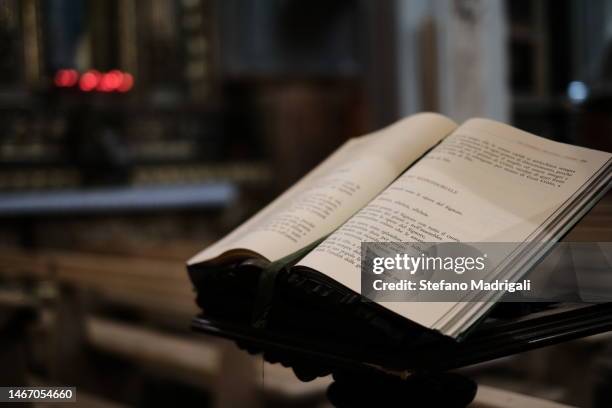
(65, 78)
(89, 80)
(127, 82)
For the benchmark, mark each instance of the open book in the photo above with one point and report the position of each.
(424, 178)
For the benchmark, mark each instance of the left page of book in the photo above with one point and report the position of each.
(332, 192)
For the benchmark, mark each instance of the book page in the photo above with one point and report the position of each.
(486, 182)
(333, 191)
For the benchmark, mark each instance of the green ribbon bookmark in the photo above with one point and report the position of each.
(267, 283)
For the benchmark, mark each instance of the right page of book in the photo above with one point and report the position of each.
(486, 182)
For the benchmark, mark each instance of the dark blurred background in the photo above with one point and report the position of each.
(134, 133)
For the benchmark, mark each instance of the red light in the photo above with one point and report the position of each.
(114, 80)
(65, 78)
(89, 80)
(127, 82)
(111, 81)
